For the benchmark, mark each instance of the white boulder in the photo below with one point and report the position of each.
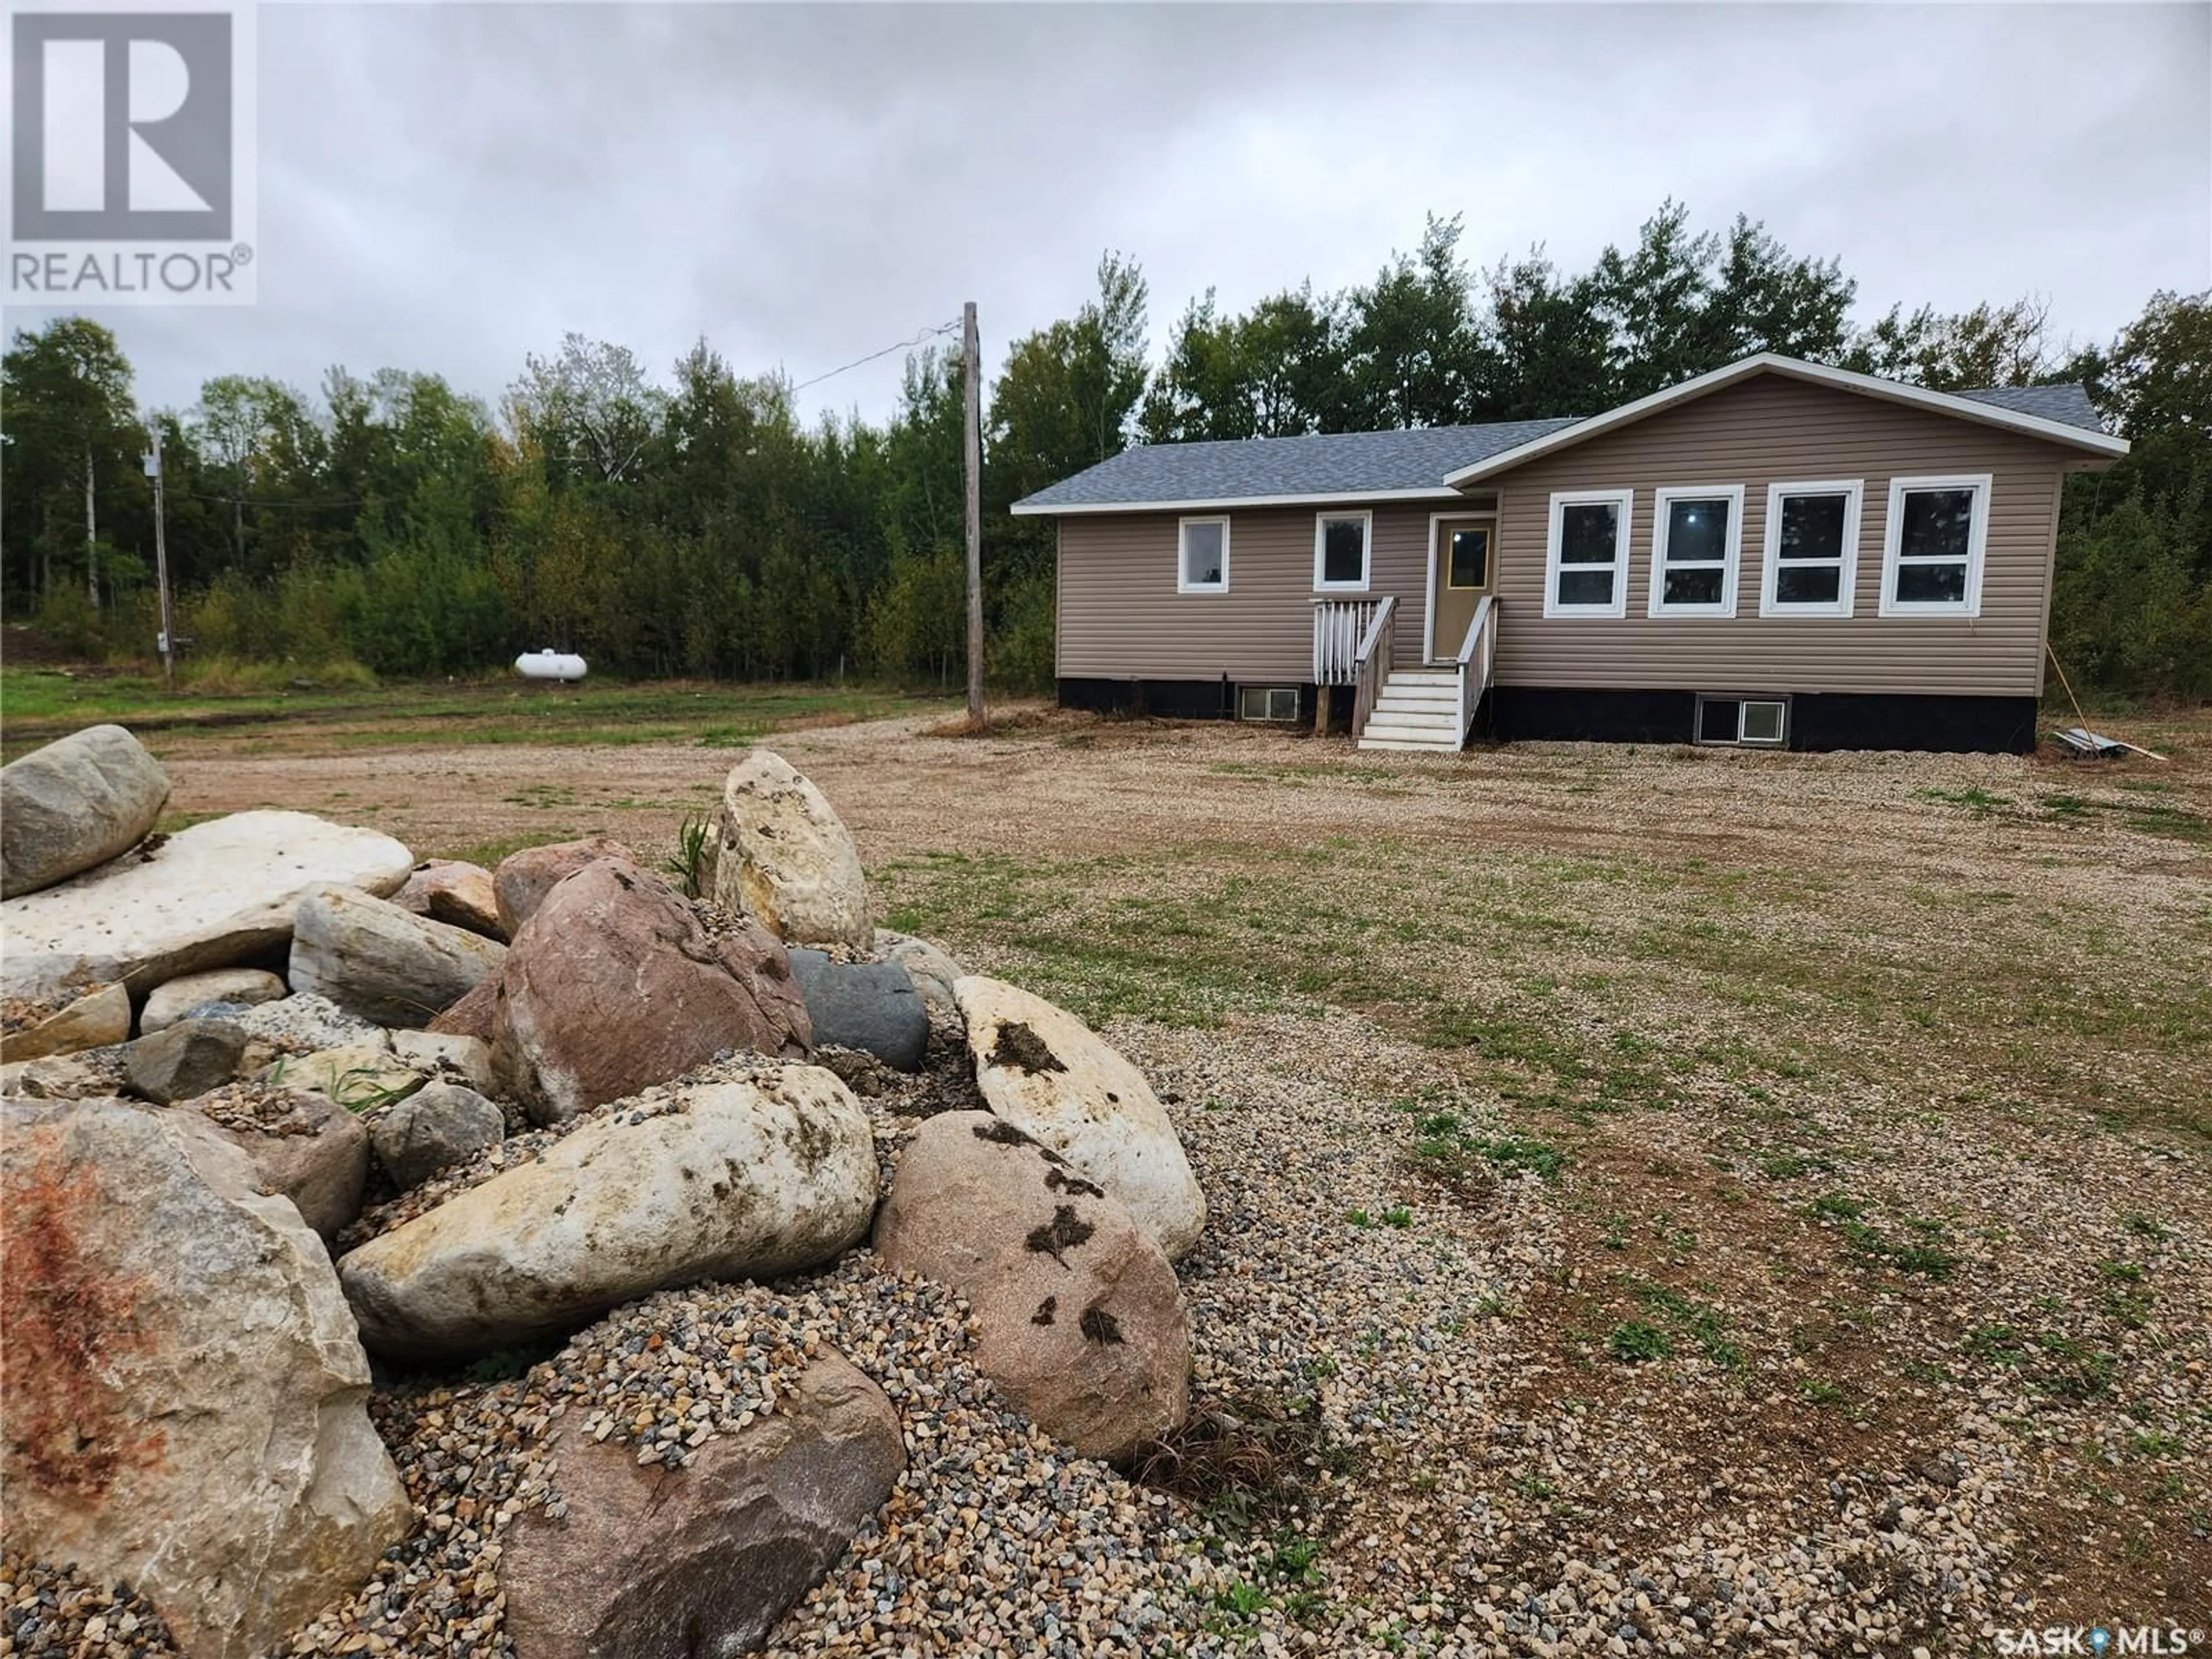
(213, 896)
(1044, 1071)
(761, 1175)
(782, 855)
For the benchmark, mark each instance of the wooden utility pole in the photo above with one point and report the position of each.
(162, 562)
(971, 355)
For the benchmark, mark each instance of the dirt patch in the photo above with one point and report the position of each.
(1019, 1048)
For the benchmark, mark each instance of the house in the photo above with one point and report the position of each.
(1776, 553)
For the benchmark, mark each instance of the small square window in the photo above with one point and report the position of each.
(1762, 721)
(1719, 718)
(1340, 550)
(1204, 567)
(1267, 702)
(1755, 722)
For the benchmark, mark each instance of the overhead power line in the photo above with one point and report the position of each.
(952, 327)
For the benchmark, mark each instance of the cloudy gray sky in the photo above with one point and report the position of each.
(448, 187)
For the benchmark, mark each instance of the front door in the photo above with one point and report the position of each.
(1465, 551)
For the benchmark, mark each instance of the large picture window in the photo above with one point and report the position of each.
(1931, 546)
(1205, 557)
(1696, 534)
(1586, 558)
(1341, 551)
(1812, 549)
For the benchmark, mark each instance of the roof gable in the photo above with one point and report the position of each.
(2061, 415)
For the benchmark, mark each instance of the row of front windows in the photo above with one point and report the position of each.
(1340, 554)
(1931, 556)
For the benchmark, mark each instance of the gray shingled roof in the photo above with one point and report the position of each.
(1342, 465)
(2068, 405)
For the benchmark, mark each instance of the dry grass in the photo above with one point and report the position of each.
(1879, 1086)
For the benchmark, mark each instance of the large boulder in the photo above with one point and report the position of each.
(1044, 1071)
(780, 854)
(188, 1059)
(934, 974)
(306, 1147)
(185, 1391)
(747, 1178)
(242, 986)
(524, 879)
(385, 964)
(74, 805)
(650, 1565)
(448, 890)
(443, 1125)
(471, 1016)
(100, 1017)
(215, 896)
(868, 1005)
(1079, 1320)
(614, 984)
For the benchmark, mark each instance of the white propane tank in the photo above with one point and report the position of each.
(550, 664)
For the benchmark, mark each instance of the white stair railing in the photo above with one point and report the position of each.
(1339, 625)
(1372, 667)
(1478, 659)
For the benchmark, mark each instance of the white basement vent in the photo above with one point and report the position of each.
(1754, 722)
(1266, 702)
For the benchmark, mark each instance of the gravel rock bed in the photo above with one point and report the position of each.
(1486, 1492)
(21, 1013)
(261, 1107)
(45, 1611)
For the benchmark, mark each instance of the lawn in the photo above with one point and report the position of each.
(39, 704)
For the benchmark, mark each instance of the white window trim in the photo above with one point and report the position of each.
(1561, 500)
(1183, 585)
(1322, 520)
(1731, 555)
(1892, 535)
(1853, 490)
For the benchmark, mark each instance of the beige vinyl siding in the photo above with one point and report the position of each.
(1761, 431)
(1121, 619)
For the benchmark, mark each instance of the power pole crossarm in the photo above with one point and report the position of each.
(971, 353)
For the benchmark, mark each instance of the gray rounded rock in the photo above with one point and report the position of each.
(872, 1007)
(441, 1125)
(184, 1061)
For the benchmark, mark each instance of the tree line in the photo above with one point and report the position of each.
(690, 523)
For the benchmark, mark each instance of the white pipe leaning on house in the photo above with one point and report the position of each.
(550, 664)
